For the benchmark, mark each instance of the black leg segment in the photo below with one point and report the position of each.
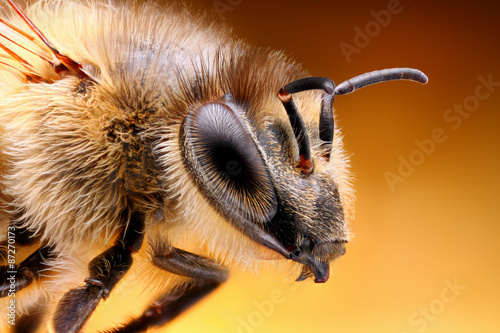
(168, 308)
(184, 263)
(16, 277)
(105, 271)
(206, 274)
(29, 322)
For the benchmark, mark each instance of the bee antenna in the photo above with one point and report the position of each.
(383, 75)
(326, 121)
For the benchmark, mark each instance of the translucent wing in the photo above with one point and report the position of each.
(33, 58)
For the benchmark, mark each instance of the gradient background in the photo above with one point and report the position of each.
(441, 224)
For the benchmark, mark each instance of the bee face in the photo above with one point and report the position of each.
(248, 172)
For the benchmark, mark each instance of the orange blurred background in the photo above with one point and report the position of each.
(425, 256)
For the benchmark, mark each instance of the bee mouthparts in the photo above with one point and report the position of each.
(320, 270)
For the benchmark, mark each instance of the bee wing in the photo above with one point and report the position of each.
(30, 57)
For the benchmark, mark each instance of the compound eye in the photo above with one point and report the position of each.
(227, 164)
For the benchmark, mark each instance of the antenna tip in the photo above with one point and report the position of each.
(424, 79)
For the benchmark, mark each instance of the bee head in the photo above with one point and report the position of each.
(276, 183)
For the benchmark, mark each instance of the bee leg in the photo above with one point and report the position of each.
(29, 323)
(17, 237)
(16, 277)
(206, 274)
(188, 264)
(106, 270)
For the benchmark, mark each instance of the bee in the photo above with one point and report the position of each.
(142, 144)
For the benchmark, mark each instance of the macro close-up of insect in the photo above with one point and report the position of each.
(141, 143)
